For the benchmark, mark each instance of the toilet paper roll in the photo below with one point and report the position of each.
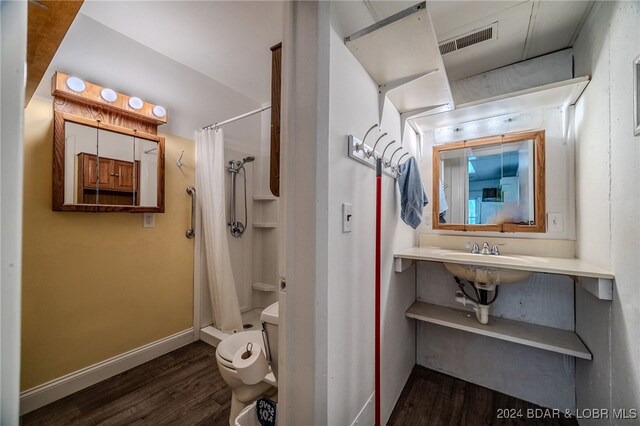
(250, 363)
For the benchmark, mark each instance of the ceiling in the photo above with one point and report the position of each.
(210, 60)
(204, 61)
(526, 29)
(227, 41)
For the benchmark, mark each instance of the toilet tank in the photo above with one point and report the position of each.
(269, 318)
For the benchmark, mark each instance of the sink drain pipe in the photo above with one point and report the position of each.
(480, 305)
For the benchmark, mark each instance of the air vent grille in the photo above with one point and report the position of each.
(469, 39)
(448, 47)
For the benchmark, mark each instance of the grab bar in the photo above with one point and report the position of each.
(191, 232)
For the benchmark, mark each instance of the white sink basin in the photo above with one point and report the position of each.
(486, 276)
(499, 259)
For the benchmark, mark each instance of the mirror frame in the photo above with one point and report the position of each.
(60, 118)
(538, 182)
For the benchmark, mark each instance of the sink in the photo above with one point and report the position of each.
(499, 259)
(486, 276)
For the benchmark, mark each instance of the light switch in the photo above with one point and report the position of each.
(347, 217)
(555, 222)
(149, 220)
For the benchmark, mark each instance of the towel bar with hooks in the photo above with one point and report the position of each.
(360, 151)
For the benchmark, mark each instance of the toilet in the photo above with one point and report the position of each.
(243, 394)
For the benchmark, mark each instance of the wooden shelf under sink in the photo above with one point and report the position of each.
(548, 338)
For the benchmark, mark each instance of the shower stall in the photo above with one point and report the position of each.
(251, 217)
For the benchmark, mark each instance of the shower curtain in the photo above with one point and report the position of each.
(210, 174)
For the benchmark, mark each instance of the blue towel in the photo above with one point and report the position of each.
(412, 195)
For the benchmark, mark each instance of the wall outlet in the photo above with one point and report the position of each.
(347, 217)
(555, 222)
(149, 220)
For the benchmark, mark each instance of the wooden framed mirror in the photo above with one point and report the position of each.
(494, 183)
(107, 156)
(106, 168)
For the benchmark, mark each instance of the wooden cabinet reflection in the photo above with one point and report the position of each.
(107, 181)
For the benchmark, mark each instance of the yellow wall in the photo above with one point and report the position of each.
(96, 285)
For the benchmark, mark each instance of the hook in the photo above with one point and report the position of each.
(391, 159)
(360, 146)
(398, 164)
(367, 134)
(403, 155)
(385, 148)
(179, 162)
(373, 151)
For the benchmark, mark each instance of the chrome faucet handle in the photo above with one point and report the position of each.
(494, 249)
(485, 248)
(475, 248)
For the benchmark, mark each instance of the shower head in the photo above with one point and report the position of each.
(236, 165)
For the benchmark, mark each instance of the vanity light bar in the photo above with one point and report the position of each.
(108, 95)
(71, 87)
(501, 124)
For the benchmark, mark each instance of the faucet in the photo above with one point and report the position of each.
(485, 248)
(475, 249)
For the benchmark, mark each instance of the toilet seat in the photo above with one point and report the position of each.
(230, 345)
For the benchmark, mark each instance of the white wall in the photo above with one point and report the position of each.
(265, 240)
(13, 45)
(608, 200)
(353, 109)
(304, 155)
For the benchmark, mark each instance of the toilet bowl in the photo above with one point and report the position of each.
(243, 394)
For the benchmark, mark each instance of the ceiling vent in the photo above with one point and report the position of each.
(469, 39)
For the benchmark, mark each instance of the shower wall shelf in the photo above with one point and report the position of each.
(402, 56)
(264, 198)
(548, 338)
(263, 287)
(269, 225)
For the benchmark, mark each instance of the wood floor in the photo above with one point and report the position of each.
(183, 387)
(434, 399)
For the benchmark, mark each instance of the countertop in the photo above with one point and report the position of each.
(551, 265)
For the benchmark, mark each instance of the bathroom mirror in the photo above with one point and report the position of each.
(106, 168)
(490, 184)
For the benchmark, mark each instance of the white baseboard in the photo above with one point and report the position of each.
(366, 415)
(46, 393)
(212, 335)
